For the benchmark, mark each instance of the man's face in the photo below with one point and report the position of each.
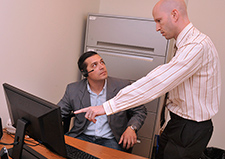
(163, 22)
(97, 64)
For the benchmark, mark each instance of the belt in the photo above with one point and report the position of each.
(174, 116)
(177, 117)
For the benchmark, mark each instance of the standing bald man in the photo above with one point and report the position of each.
(192, 78)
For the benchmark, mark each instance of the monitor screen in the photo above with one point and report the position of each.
(44, 123)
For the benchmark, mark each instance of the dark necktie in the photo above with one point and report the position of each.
(162, 118)
(174, 50)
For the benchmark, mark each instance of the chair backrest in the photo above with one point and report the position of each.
(67, 122)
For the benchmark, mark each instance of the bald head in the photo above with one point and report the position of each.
(171, 14)
(168, 5)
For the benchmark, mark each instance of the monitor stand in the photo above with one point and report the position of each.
(20, 150)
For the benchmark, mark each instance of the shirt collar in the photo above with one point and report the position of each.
(183, 34)
(104, 87)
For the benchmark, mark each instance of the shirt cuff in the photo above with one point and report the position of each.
(108, 106)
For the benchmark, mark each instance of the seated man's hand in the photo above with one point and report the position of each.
(92, 112)
(128, 138)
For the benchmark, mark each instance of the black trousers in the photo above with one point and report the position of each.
(184, 139)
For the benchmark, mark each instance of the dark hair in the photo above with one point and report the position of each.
(81, 64)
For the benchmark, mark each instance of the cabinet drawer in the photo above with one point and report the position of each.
(132, 67)
(125, 33)
(144, 148)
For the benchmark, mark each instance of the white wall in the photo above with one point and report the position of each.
(133, 8)
(40, 42)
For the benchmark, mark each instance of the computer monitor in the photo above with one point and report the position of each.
(37, 118)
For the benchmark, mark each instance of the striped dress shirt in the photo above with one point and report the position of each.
(192, 78)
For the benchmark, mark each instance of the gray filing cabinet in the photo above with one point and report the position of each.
(131, 48)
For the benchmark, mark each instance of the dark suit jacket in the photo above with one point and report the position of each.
(77, 97)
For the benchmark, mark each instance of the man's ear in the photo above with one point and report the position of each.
(175, 15)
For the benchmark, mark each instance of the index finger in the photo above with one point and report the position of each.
(84, 110)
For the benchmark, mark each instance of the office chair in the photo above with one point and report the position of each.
(66, 122)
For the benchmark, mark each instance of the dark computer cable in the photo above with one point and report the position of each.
(28, 142)
(14, 143)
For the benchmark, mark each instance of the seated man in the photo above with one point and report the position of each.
(117, 131)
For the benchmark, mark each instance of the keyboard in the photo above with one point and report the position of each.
(74, 153)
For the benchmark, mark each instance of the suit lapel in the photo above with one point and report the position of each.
(111, 92)
(111, 89)
(84, 95)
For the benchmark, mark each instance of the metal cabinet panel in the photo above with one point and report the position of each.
(117, 32)
(122, 65)
(152, 106)
(147, 129)
(131, 48)
(144, 148)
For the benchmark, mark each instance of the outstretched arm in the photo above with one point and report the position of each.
(92, 112)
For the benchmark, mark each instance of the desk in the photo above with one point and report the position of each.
(93, 149)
